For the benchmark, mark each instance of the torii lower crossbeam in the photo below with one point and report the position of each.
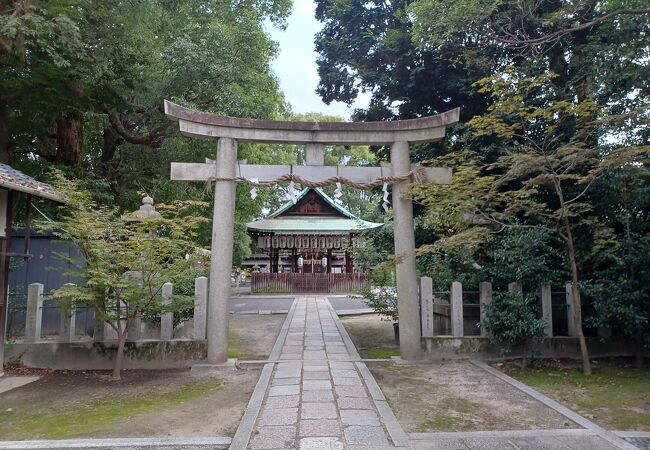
(269, 173)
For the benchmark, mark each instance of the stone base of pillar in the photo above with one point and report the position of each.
(231, 364)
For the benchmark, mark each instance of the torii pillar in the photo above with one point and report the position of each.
(228, 131)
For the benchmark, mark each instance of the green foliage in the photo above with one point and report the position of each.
(126, 261)
(620, 290)
(550, 172)
(383, 300)
(511, 319)
(368, 46)
(108, 65)
(444, 266)
(528, 255)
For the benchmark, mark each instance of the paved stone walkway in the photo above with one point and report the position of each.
(321, 395)
(563, 439)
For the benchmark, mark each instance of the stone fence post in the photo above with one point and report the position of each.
(135, 329)
(485, 298)
(426, 306)
(200, 307)
(167, 319)
(34, 312)
(516, 287)
(547, 308)
(456, 309)
(571, 324)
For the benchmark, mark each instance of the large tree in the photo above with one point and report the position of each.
(84, 81)
(369, 46)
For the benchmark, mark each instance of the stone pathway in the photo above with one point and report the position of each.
(321, 396)
(562, 439)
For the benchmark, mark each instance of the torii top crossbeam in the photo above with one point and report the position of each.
(205, 125)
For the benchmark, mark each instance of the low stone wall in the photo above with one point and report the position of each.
(153, 354)
(449, 347)
(183, 353)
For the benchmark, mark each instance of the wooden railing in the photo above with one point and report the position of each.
(295, 283)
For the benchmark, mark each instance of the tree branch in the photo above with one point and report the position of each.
(154, 139)
(513, 41)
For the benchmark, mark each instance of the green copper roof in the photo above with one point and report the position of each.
(306, 224)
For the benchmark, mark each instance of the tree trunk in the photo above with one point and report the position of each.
(69, 141)
(111, 141)
(119, 356)
(576, 303)
(6, 147)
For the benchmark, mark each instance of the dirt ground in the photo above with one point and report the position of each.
(143, 404)
(163, 403)
(372, 335)
(251, 336)
(458, 396)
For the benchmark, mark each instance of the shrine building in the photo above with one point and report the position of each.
(314, 235)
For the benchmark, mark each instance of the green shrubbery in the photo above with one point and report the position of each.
(511, 320)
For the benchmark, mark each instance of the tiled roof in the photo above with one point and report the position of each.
(306, 224)
(15, 180)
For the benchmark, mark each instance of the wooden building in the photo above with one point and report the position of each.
(313, 237)
(15, 184)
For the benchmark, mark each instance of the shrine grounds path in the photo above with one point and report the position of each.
(317, 393)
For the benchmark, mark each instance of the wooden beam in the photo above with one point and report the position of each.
(268, 173)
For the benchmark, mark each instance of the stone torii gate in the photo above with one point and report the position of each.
(228, 131)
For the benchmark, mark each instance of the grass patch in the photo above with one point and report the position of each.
(82, 417)
(615, 395)
(454, 415)
(381, 352)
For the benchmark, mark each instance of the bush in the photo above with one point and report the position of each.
(383, 300)
(511, 319)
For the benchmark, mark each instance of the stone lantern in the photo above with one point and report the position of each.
(146, 211)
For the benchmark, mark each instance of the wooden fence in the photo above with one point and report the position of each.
(296, 283)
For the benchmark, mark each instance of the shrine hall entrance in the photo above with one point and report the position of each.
(308, 246)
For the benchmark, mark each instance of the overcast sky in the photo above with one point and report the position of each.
(296, 63)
